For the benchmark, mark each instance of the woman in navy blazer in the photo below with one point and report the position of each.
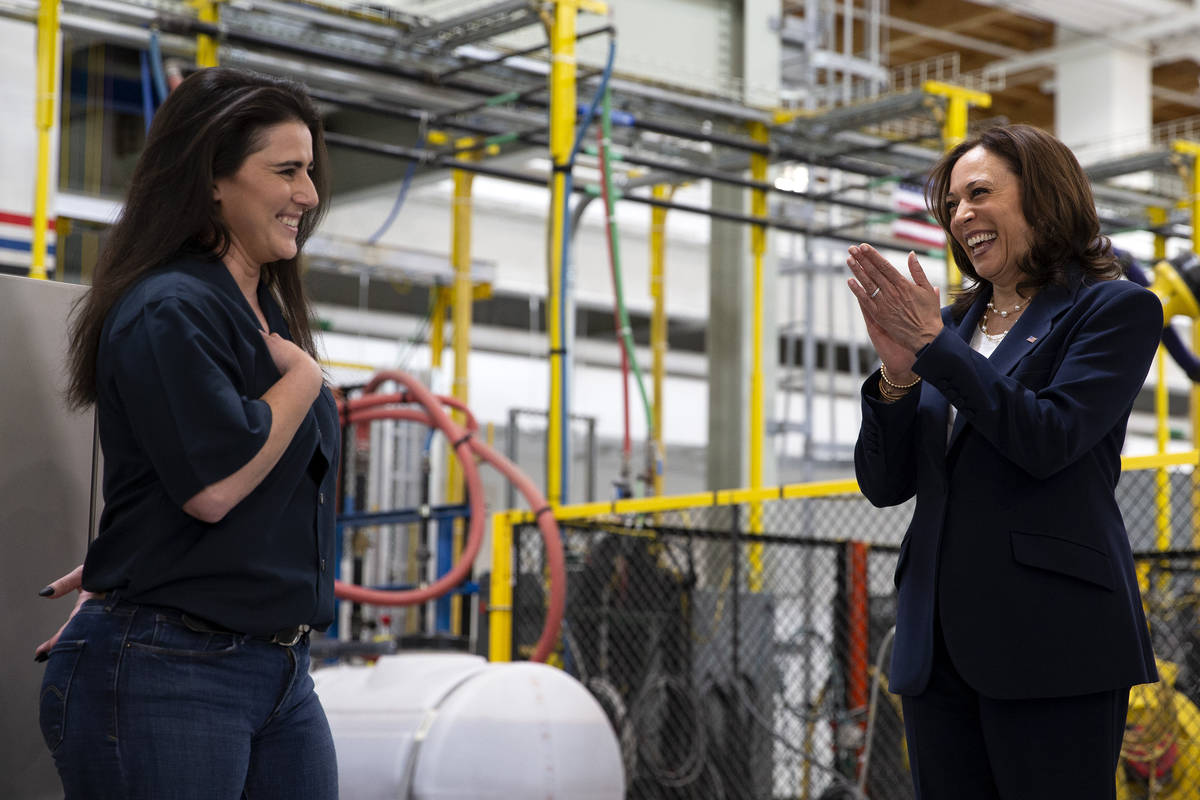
(1019, 625)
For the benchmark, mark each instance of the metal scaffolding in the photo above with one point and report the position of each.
(861, 124)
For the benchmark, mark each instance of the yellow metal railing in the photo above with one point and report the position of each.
(500, 603)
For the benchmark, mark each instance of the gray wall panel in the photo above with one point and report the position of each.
(46, 481)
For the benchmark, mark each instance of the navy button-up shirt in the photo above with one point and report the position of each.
(181, 370)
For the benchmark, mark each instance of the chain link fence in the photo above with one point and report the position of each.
(741, 650)
(1160, 756)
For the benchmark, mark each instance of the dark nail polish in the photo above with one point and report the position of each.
(40, 657)
(49, 590)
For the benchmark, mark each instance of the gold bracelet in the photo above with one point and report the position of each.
(890, 395)
(883, 374)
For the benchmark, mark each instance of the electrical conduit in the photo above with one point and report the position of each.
(620, 312)
(569, 188)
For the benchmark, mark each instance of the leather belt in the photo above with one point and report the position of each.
(285, 637)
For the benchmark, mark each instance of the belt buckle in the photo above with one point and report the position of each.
(282, 639)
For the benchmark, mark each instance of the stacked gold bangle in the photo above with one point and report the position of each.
(891, 392)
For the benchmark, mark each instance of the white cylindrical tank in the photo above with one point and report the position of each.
(451, 726)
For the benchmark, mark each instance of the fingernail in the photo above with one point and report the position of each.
(40, 657)
(49, 590)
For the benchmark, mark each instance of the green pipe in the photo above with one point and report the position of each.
(592, 150)
(501, 99)
(626, 334)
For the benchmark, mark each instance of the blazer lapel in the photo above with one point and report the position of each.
(1032, 327)
(1023, 337)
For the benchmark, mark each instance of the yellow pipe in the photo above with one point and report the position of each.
(1162, 478)
(64, 134)
(562, 129)
(727, 497)
(325, 362)
(758, 427)
(1194, 408)
(1192, 149)
(47, 81)
(437, 326)
(460, 257)
(958, 100)
(1193, 201)
(500, 599)
(1158, 216)
(463, 288)
(658, 323)
(206, 46)
(1187, 459)
(954, 130)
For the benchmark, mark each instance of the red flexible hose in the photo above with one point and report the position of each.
(400, 398)
(627, 439)
(372, 407)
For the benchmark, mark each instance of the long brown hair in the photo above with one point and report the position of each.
(204, 131)
(1056, 200)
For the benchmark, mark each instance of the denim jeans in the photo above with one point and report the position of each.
(137, 705)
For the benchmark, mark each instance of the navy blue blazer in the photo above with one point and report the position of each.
(1016, 540)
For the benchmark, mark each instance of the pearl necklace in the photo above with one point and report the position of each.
(991, 308)
(991, 337)
(1004, 314)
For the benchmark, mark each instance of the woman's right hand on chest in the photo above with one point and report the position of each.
(288, 357)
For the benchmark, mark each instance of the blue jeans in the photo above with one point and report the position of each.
(137, 705)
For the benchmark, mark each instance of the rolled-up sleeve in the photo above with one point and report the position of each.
(176, 374)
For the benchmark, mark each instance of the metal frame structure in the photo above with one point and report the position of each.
(431, 76)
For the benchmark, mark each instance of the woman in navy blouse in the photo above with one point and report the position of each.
(183, 672)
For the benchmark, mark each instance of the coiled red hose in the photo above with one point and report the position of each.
(372, 407)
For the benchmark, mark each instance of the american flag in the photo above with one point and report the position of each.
(907, 198)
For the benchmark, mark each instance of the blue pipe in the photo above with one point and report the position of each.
(580, 132)
(156, 68)
(622, 119)
(147, 89)
(409, 173)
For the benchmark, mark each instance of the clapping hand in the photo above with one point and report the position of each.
(901, 315)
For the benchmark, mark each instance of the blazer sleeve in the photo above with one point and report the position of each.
(1103, 366)
(885, 455)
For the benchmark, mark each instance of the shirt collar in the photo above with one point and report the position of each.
(214, 272)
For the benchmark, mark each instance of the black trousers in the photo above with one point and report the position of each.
(963, 746)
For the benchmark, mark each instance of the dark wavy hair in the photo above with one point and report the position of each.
(203, 132)
(1056, 199)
